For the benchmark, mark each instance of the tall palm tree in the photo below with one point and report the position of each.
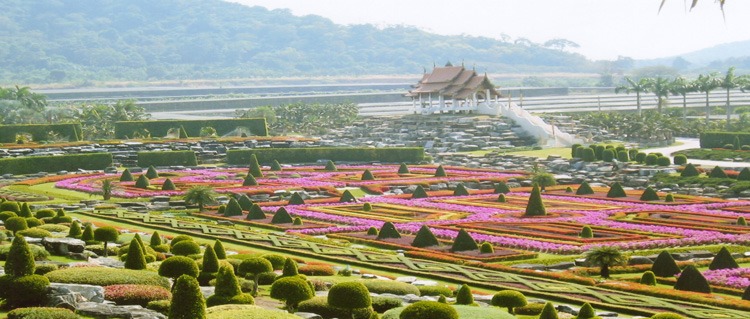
(660, 87)
(604, 257)
(200, 195)
(682, 86)
(638, 87)
(706, 83)
(729, 82)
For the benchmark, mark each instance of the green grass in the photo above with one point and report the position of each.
(464, 312)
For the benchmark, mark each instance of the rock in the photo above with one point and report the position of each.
(607, 314)
(307, 315)
(369, 276)
(78, 256)
(424, 283)
(101, 310)
(529, 266)
(87, 292)
(208, 291)
(406, 279)
(701, 254)
(63, 246)
(61, 297)
(562, 266)
(566, 309)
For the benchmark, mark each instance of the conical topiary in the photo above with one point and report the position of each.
(649, 194)
(548, 312)
(183, 132)
(168, 185)
(126, 176)
(689, 171)
(388, 231)
(155, 239)
(330, 166)
(88, 234)
(137, 238)
(275, 166)
(254, 168)
(616, 191)
(282, 217)
(19, 261)
(403, 169)
(586, 312)
(25, 211)
(587, 232)
(464, 296)
(741, 221)
(584, 189)
(464, 242)
(347, 197)
(744, 175)
(249, 181)
(256, 213)
(502, 188)
(219, 250)
(723, 260)
(75, 230)
(227, 284)
(717, 172)
(296, 199)
(210, 260)
(425, 238)
(692, 280)
(233, 208)
(136, 259)
(187, 300)
(535, 206)
(460, 190)
(664, 265)
(648, 278)
(501, 198)
(151, 173)
(245, 202)
(142, 182)
(290, 268)
(367, 176)
(746, 294)
(419, 192)
(440, 172)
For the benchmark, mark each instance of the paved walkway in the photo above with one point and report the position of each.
(688, 143)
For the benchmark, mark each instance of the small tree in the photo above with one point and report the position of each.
(142, 182)
(689, 171)
(296, 199)
(88, 233)
(429, 309)
(187, 299)
(201, 196)
(228, 289)
(403, 169)
(586, 312)
(664, 265)
(20, 261)
(440, 172)
(347, 197)
(281, 217)
(155, 239)
(75, 230)
(275, 166)
(548, 312)
(419, 192)
(126, 176)
(509, 299)
(106, 234)
(330, 166)
(210, 260)
(501, 198)
(460, 190)
(16, 224)
(136, 258)
(233, 208)
(464, 296)
(692, 280)
(616, 191)
(502, 188)
(535, 206)
(723, 260)
(741, 221)
(25, 210)
(168, 185)
(290, 268)
(717, 172)
(464, 242)
(649, 194)
(256, 213)
(253, 267)
(388, 231)
(219, 250)
(176, 266)
(542, 178)
(249, 181)
(151, 173)
(367, 176)
(425, 238)
(291, 290)
(605, 257)
(350, 295)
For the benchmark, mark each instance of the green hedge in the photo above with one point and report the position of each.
(105, 276)
(34, 164)
(40, 132)
(192, 127)
(313, 154)
(169, 158)
(719, 139)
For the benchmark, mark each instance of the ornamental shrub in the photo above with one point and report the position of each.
(429, 309)
(464, 242)
(88, 233)
(649, 194)
(16, 224)
(372, 231)
(587, 232)
(245, 202)
(680, 159)
(136, 259)
(663, 161)
(651, 159)
(316, 270)
(291, 290)
(219, 250)
(717, 172)
(442, 299)
(320, 306)
(616, 191)
(648, 278)
(228, 290)
(599, 152)
(744, 175)
(586, 312)
(277, 261)
(389, 286)
(434, 291)
(151, 173)
(253, 268)
(254, 168)
(233, 208)
(168, 185)
(290, 268)
(692, 280)
(349, 295)
(281, 217)
(210, 260)
(180, 238)
(25, 210)
(403, 169)
(723, 260)
(297, 221)
(568, 189)
(34, 222)
(45, 213)
(486, 248)
(186, 248)
(425, 238)
(5, 215)
(419, 192)
(23, 291)
(140, 295)
(501, 188)
(388, 231)
(20, 261)
(383, 304)
(106, 234)
(741, 221)
(608, 155)
(367, 176)
(588, 154)
(126, 176)
(187, 301)
(330, 166)
(296, 199)
(155, 239)
(667, 315)
(142, 182)
(573, 149)
(367, 207)
(622, 156)
(535, 206)
(256, 213)
(746, 294)
(664, 265)
(464, 296)
(275, 166)
(221, 210)
(689, 171)
(584, 189)
(105, 276)
(501, 198)
(177, 266)
(34, 233)
(440, 172)
(669, 198)
(75, 230)
(640, 157)
(548, 312)
(509, 299)
(249, 181)
(347, 197)
(42, 313)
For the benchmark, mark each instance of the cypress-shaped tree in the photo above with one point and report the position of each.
(256, 213)
(501, 198)
(210, 260)
(649, 194)
(464, 242)
(142, 182)
(692, 280)
(249, 181)
(290, 268)
(126, 176)
(664, 265)
(744, 175)
(254, 168)
(440, 172)
(155, 239)
(187, 300)
(347, 197)
(296, 199)
(403, 169)
(584, 189)
(548, 312)
(460, 190)
(388, 231)
(151, 173)
(689, 171)
(168, 185)
(330, 166)
(136, 259)
(367, 176)
(723, 260)
(535, 206)
(419, 192)
(275, 166)
(245, 202)
(233, 208)
(586, 312)
(464, 296)
(616, 191)
(88, 234)
(138, 238)
(25, 211)
(425, 238)
(501, 188)
(75, 230)
(717, 172)
(19, 261)
(587, 232)
(282, 217)
(219, 250)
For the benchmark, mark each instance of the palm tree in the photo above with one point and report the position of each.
(604, 257)
(638, 87)
(706, 84)
(730, 81)
(681, 86)
(660, 87)
(541, 177)
(200, 195)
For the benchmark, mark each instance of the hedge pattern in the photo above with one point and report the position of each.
(125, 129)
(40, 132)
(35, 164)
(168, 158)
(719, 139)
(313, 154)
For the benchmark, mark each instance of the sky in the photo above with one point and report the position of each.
(604, 29)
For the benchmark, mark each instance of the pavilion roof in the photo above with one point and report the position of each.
(453, 82)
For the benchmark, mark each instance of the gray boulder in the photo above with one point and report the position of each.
(63, 246)
(88, 292)
(103, 310)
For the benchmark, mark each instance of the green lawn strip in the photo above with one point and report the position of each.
(60, 195)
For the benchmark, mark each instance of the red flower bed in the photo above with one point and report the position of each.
(135, 294)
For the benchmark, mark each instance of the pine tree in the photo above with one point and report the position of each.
(151, 173)
(460, 190)
(282, 217)
(723, 260)
(440, 172)
(256, 213)
(464, 242)
(249, 181)
(616, 191)
(388, 231)
(535, 206)
(425, 238)
(136, 259)
(126, 176)
(347, 197)
(419, 192)
(649, 194)
(403, 169)
(584, 189)
(219, 250)
(501, 188)
(254, 167)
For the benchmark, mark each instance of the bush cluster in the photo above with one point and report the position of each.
(135, 294)
(125, 129)
(74, 162)
(105, 276)
(42, 313)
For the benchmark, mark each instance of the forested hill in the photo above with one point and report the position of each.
(75, 40)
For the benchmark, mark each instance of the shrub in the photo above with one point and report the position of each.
(10, 206)
(669, 198)
(667, 315)
(502, 188)
(187, 301)
(429, 309)
(142, 182)
(648, 278)
(728, 146)
(486, 248)
(228, 290)
(501, 198)
(20, 261)
(689, 171)
(21, 291)
(275, 165)
(45, 213)
(88, 233)
(219, 250)
(573, 149)
(186, 248)
(741, 221)
(291, 290)
(509, 299)
(151, 173)
(160, 306)
(105, 276)
(623, 156)
(389, 286)
(256, 213)
(586, 232)
(649, 194)
(608, 155)
(663, 161)
(692, 280)
(680, 159)
(460, 190)
(316, 270)
(179, 238)
(249, 180)
(746, 294)
(320, 306)
(548, 312)
(233, 208)
(176, 266)
(717, 172)
(616, 191)
(535, 206)
(419, 192)
(5, 215)
(532, 309)
(588, 154)
(15, 224)
(425, 238)
(586, 312)
(464, 242)
(38, 252)
(245, 202)
(367, 176)
(388, 231)
(434, 291)
(349, 295)
(126, 176)
(297, 221)
(253, 267)
(464, 296)
(584, 189)
(372, 231)
(383, 304)
(267, 278)
(440, 172)
(568, 189)
(277, 261)
(135, 294)
(168, 185)
(75, 230)
(33, 222)
(34, 233)
(330, 166)
(42, 313)
(155, 239)
(42, 269)
(136, 258)
(254, 168)
(281, 217)
(403, 169)
(296, 199)
(651, 159)
(723, 260)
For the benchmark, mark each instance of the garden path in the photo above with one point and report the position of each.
(688, 143)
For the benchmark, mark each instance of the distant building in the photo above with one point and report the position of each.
(452, 89)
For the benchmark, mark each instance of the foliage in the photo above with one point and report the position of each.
(390, 287)
(320, 306)
(403, 169)
(126, 176)
(142, 182)
(649, 194)
(210, 260)
(125, 129)
(372, 231)
(419, 192)
(330, 166)
(246, 312)
(723, 260)
(689, 171)
(680, 159)
(349, 295)
(281, 217)
(665, 265)
(429, 309)
(440, 172)
(15, 224)
(588, 154)
(296, 199)
(586, 232)
(176, 266)
(604, 257)
(692, 280)
(424, 238)
(187, 301)
(509, 299)
(464, 242)
(501, 198)
(460, 190)
(586, 312)
(42, 313)
(72, 162)
(584, 189)
(255, 212)
(105, 276)
(306, 155)
(535, 206)
(200, 195)
(254, 166)
(180, 238)
(292, 290)
(186, 248)
(136, 259)
(367, 176)
(316, 270)
(648, 278)
(21, 291)
(388, 231)
(277, 261)
(34, 232)
(616, 191)
(228, 290)
(19, 261)
(434, 291)
(106, 234)
(501, 188)
(548, 312)
(254, 267)
(717, 172)
(464, 296)
(135, 294)
(486, 248)
(666, 315)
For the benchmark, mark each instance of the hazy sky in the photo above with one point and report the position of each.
(603, 28)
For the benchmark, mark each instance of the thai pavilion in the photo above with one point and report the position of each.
(452, 89)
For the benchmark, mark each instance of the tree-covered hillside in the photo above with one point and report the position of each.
(78, 40)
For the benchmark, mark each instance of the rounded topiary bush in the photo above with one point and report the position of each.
(277, 261)
(180, 238)
(186, 248)
(429, 309)
(160, 306)
(34, 233)
(349, 295)
(680, 159)
(135, 294)
(648, 278)
(501, 198)
(509, 299)
(741, 221)
(11, 206)
(669, 198)
(663, 161)
(105, 276)
(177, 266)
(42, 313)
(16, 224)
(434, 291)
(372, 231)
(5, 215)
(23, 291)
(588, 154)
(587, 232)
(608, 155)
(650, 159)
(464, 296)
(292, 290)
(320, 306)
(486, 248)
